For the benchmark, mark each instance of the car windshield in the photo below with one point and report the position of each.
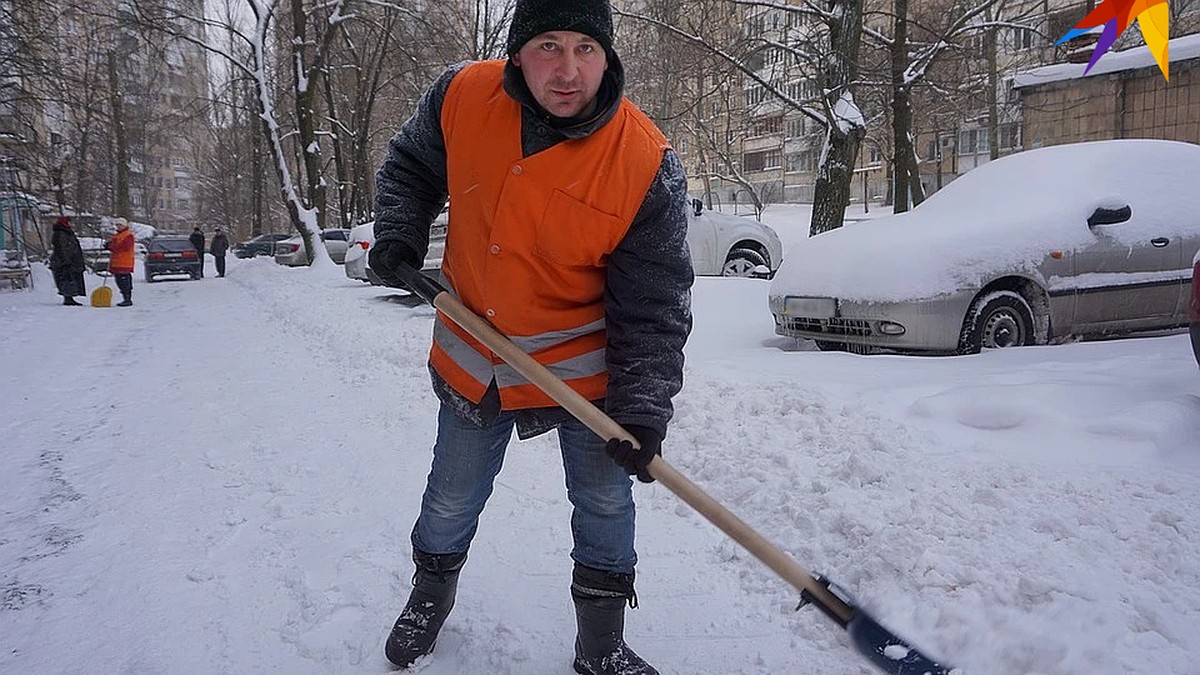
(173, 245)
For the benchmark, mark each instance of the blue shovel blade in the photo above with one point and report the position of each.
(887, 651)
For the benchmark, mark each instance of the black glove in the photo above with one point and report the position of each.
(635, 461)
(387, 256)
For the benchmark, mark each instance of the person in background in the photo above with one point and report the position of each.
(218, 247)
(121, 263)
(197, 240)
(568, 233)
(66, 262)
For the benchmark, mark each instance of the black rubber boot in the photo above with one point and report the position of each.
(432, 598)
(68, 300)
(600, 599)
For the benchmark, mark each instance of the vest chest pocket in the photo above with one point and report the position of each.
(573, 233)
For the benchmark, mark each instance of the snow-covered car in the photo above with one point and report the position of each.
(362, 238)
(1194, 307)
(731, 246)
(1082, 240)
(291, 251)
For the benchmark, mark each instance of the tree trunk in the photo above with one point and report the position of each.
(256, 169)
(121, 145)
(306, 124)
(341, 164)
(993, 84)
(832, 191)
(906, 179)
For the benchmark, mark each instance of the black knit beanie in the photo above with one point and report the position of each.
(534, 17)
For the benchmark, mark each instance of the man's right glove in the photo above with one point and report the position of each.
(387, 256)
(635, 461)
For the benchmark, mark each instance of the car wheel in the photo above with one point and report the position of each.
(149, 278)
(742, 262)
(996, 321)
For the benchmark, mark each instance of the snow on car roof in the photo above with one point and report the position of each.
(1004, 215)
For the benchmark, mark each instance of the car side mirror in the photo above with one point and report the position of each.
(1104, 216)
(697, 207)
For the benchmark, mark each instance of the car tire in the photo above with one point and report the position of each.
(149, 278)
(997, 320)
(741, 262)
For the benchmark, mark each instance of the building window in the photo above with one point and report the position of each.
(1022, 38)
(759, 161)
(1010, 135)
(802, 161)
(973, 141)
(765, 126)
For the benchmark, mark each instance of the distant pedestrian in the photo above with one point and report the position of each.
(121, 262)
(218, 247)
(197, 240)
(66, 262)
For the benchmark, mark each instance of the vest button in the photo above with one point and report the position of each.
(517, 170)
(490, 312)
(495, 249)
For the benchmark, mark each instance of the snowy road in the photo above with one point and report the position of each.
(221, 479)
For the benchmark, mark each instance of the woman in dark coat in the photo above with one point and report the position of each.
(66, 261)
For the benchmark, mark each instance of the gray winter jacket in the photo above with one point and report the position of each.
(648, 290)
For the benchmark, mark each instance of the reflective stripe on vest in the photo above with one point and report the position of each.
(577, 357)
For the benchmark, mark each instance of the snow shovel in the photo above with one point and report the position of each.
(102, 296)
(879, 645)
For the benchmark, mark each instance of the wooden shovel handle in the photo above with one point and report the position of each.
(605, 427)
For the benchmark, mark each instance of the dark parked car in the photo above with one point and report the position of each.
(263, 244)
(1194, 307)
(171, 255)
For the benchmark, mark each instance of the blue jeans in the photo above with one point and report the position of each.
(467, 459)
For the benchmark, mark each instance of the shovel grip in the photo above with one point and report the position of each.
(426, 287)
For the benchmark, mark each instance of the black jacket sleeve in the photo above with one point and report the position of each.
(410, 186)
(647, 302)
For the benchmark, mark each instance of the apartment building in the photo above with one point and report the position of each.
(91, 89)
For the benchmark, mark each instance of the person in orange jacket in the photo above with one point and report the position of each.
(567, 232)
(120, 265)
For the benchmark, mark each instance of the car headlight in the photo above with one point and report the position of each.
(775, 303)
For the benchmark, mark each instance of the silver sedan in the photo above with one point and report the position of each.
(1084, 240)
(291, 251)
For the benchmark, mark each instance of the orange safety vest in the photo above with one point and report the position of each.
(121, 247)
(528, 239)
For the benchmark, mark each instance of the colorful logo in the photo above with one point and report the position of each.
(1153, 17)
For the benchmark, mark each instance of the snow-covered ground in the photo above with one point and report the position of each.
(221, 479)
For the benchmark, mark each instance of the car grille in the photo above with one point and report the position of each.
(834, 326)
